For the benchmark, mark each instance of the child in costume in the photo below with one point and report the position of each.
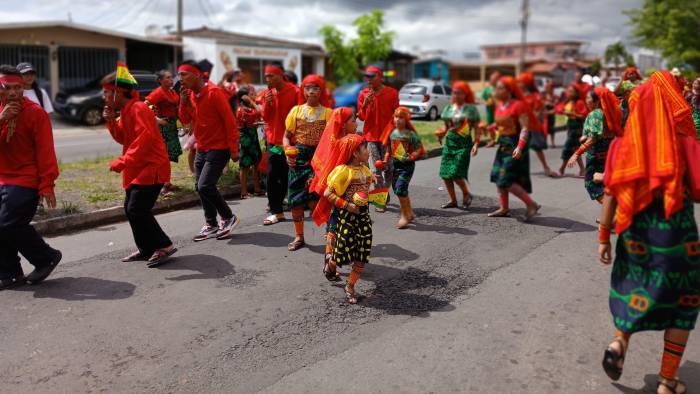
(404, 147)
(247, 117)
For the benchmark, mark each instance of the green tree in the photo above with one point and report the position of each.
(371, 45)
(617, 54)
(670, 26)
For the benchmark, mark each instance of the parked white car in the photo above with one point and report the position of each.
(425, 98)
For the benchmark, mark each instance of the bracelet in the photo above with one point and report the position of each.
(521, 143)
(603, 234)
(581, 150)
(340, 203)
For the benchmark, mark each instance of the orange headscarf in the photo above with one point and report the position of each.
(512, 86)
(331, 134)
(341, 154)
(631, 71)
(647, 157)
(318, 81)
(527, 78)
(610, 105)
(401, 112)
(464, 87)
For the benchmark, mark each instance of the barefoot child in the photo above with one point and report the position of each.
(404, 147)
(247, 115)
(348, 187)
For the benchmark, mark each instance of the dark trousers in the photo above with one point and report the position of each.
(138, 206)
(208, 167)
(277, 181)
(17, 208)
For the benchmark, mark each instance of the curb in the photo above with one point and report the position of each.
(82, 221)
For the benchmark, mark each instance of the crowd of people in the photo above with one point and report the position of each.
(640, 143)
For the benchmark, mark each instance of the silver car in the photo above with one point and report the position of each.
(425, 98)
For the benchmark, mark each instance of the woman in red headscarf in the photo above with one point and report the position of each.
(347, 189)
(576, 111)
(602, 124)
(651, 177)
(461, 135)
(403, 147)
(632, 74)
(304, 125)
(511, 166)
(342, 123)
(538, 138)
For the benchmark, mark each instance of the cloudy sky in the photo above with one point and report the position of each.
(453, 25)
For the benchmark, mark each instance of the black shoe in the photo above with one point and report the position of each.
(41, 273)
(11, 283)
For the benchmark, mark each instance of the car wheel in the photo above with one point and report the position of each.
(433, 114)
(92, 116)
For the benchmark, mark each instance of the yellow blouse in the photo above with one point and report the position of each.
(346, 180)
(306, 123)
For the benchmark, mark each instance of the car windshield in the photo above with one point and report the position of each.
(348, 88)
(414, 89)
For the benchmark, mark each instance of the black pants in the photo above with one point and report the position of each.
(138, 206)
(208, 167)
(17, 208)
(277, 181)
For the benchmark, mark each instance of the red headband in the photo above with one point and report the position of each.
(272, 69)
(188, 68)
(5, 79)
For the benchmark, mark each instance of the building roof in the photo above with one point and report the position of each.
(509, 45)
(88, 28)
(231, 38)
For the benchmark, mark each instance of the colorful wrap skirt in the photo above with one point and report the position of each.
(353, 240)
(172, 140)
(656, 275)
(251, 154)
(300, 177)
(456, 156)
(573, 139)
(595, 162)
(401, 178)
(506, 170)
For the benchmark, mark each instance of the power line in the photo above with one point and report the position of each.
(205, 12)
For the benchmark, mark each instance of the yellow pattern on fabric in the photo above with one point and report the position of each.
(345, 179)
(304, 132)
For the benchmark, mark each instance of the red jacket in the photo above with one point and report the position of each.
(275, 113)
(28, 159)
(214, 124)
(166, 101)
(144, 159)
(378, 114)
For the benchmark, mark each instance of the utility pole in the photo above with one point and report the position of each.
(179, 33)
(523, 33)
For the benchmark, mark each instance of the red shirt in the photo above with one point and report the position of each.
(214, 124)
(166, 102)
(378, 114)
(508, 117)
(144, 159)
(28, 159)
(247, 117)
(276, 112)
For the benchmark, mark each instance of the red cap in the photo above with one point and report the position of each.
(371, 71)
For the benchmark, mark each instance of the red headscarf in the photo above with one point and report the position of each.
(341, 154)
(331, 134)
(528, 79)
(631, 71)
(610, 105)
(401, 112)
(512, 86)
(464, 87)
(647, 156)
(318, 81)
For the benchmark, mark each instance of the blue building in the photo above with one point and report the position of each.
(433, 68)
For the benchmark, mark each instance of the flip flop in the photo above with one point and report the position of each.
(501, 214)
(159, 257)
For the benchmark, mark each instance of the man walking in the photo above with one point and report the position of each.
(28, 171)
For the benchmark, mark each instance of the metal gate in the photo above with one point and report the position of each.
(80, 66)
(37, 55)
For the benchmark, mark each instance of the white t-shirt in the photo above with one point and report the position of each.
(47, 100)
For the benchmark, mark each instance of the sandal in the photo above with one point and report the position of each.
(612, 360)
(673, 389)
(531, 213)
(296, 245)
(451, 204)
(467, 202)
(350, 295)
(272, 219)
(136, 256)
(499, 213)
(245, 196)
(331, 275)
(160, 256)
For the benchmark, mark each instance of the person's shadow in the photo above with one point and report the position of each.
(264, 239)
(688, 373)
(206, 266)
(81, 289)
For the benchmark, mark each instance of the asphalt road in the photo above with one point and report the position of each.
(458, 303)
(74, 141)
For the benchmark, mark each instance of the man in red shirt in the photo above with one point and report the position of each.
(279, 98)
(144, 166)
(375, 106)
(206, 107)
(28, 172)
